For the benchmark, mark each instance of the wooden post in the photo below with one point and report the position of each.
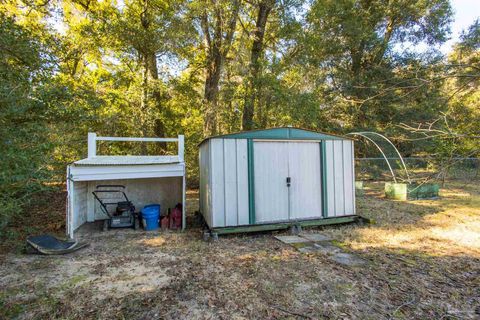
(92, 144)
(68, 213)
(181, 147)
(184, 200)
(71, 208)
(181, 158)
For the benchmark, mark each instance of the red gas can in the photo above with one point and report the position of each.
(164, 222)
(176, 217)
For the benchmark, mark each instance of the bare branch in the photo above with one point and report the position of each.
(427, 130)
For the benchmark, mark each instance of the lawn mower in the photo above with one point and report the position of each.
(124, 215)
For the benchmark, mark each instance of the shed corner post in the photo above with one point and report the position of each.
(92, 144)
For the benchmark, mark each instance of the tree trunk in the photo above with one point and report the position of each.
(218, 45)
(151, 72)
(144, 103)
(264, 9)
(357, 111)
(212, 81)
(158, 127)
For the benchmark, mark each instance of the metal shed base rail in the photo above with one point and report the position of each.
(286, 225)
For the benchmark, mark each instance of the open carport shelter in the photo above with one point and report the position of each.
(147, 180)
(274, 178)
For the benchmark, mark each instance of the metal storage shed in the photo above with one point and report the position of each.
(148, 179)
(273, 178)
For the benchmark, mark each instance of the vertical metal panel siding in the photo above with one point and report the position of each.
(209, 195)
(270, 172)
(340, 178)
(251, 183)
(304, 170)
(348, 178)
(229, 182)
(217, 182)
(329, 150)
(201, 176)
(205, 185)
(242, 182)
(323, 166)
(208, 188)
(205, 181)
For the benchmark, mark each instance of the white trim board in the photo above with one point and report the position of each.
(126, 160)
(89, 173)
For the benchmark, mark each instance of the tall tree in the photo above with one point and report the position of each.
(359, 43)
(218, 21)
(264, 7)
(142, 31)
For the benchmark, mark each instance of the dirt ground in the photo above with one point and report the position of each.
(423, 261)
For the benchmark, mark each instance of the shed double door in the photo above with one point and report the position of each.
(287, 181)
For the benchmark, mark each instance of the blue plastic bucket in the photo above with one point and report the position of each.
(140, 214)
(150, 216)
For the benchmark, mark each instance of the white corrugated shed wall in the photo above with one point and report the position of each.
(228, 182)
(205, 186)
(79, 203)
(165, 191)
(340, 177)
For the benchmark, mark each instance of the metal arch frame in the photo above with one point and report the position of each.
(381, 151)
(396, 150)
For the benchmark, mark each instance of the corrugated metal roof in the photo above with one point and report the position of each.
(126, 160)
(281, 133)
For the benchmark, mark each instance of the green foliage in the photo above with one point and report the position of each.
(368, 81)
(462, 117)
(24, 66)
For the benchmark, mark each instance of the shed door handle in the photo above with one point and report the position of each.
(288, 181)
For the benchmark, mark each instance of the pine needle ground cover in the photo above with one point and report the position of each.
(422, 261)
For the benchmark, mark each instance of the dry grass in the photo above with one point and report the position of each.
(446, 227)
(423, 261)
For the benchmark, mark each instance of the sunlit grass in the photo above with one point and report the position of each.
(153, 242)
(449, 226)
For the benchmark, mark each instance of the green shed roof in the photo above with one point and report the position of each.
(283, 133)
